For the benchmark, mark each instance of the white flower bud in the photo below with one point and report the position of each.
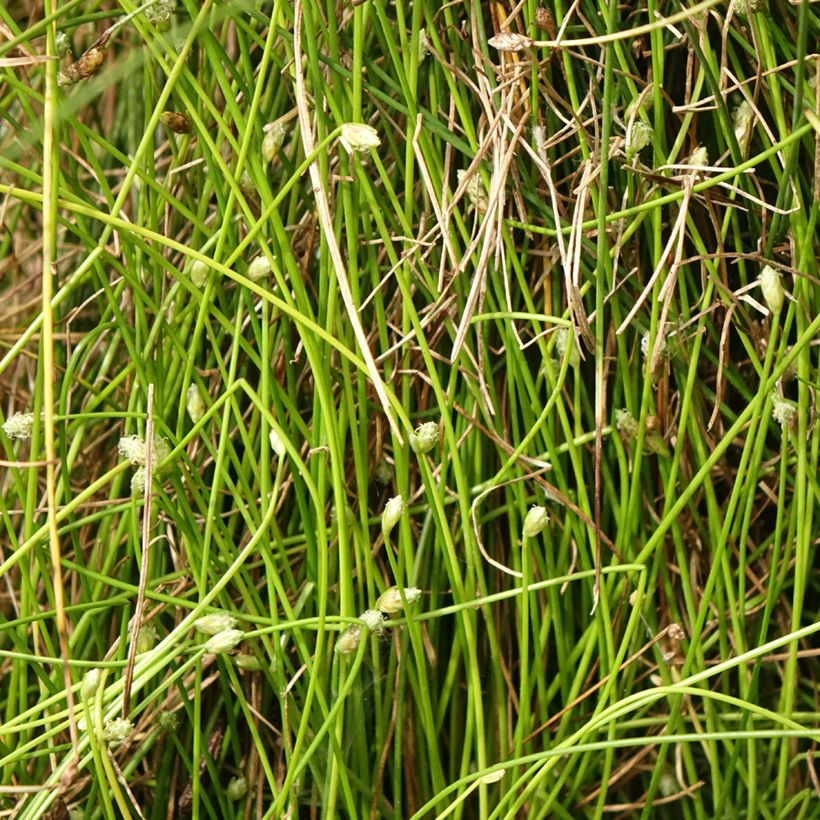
(88, 688)
(356, 136)
(349, 640)
(393, 511)
(146, 638)
(116, 731)
(273, 140)
(215, 623)
(640, 135)
(138, 481)
(160, 11)
(259, 268)
(424, 438)
(62, 45)
(374, 620)
(784, 412)
(248, 663)
(509, 41)
(276, 444)
(133, 448)
(535, 521)
(626, 423)
(475, 191)
(742, 121)
(564, 339)
(773, 292)
(194, 403)
(198, 273)
(224, 641)
(700, 156)
(390, 600)
(237, 788)
(19, 425)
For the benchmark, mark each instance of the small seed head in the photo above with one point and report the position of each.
(626, 423)
(536, 520)
(276, 444)
(356, 136)
(259, 268)
(214, 623)
(248, 663)
(237, 788)
(194, 403)
(425, 437)
(509, 41)
(349, 640)
(393, 511)
(475, 191)
(564, 339)
(198, 273)
(773, 291)
(224, 641)
(146, 638)
(374, 620)
(19, 425)
(784, 412)
(273, 140)
(91, 681)
(116, 731)
(390, 600)
(640, 135)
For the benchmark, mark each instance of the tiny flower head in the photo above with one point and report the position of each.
(276, 444)
(625, 422)
(194, 403)
(784, 412)
(425, 437)
(390, 600)
(393, 511)
(198, 273)
(535, 521)
(116, 731)
(133, 448)
(373, 620)
(349, 640)
(248, 663)
(742, 121)
(88, 688)
(773, 291)
(564, 340)
(19, 425)
(160, 11)
(138, 481)
(475, 191)
(224, 641)
(272, 141)
(259, 268)
(700, 156)
(509, 41)
(356, 136)
(237, 788)
(215, 623)
(146, 638)
(640, 135)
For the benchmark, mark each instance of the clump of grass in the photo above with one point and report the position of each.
(482, 352)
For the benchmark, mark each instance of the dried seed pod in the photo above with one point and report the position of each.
(178, 122)
(83, 68)
(510, 41)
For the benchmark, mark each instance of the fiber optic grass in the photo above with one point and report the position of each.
(555, 311)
